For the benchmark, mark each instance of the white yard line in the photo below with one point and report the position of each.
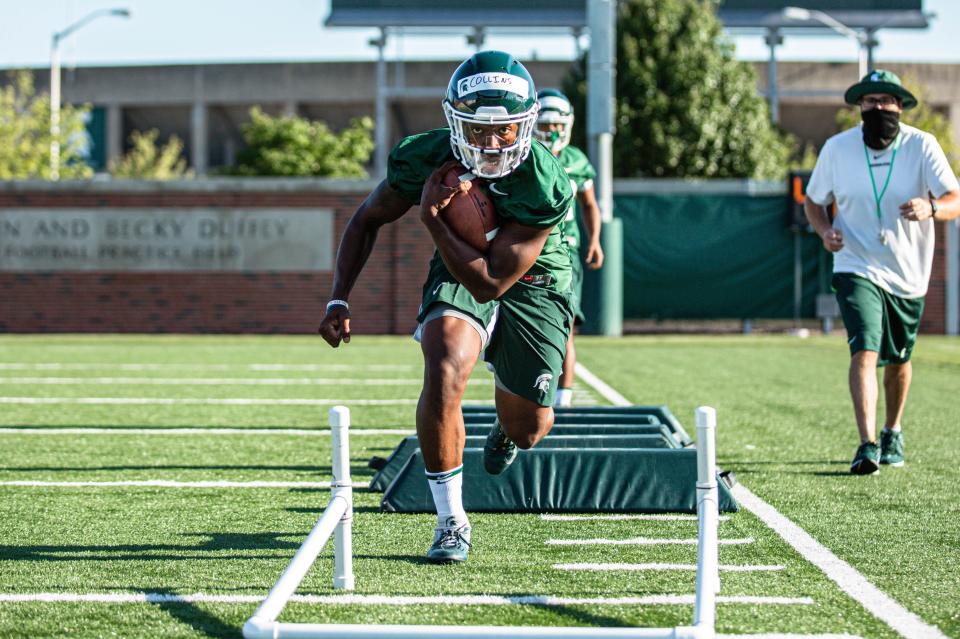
(854, 584)
(167, 483)
(661, 566)
(83, 366)
(600, 386)
(400, 600)
(206, 401)
(298, 432)
(642, 541)
(640, 516)
(333, 367)
(223, 381)
(850, 581)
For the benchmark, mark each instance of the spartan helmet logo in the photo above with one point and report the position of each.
(464, 87)
(543, 383)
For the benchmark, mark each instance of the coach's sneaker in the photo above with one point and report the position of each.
(891, 447)
(867, 461)
(451, 543)
(499, 451)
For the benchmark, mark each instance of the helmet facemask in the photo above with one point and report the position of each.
(557, 111)
(488, 162)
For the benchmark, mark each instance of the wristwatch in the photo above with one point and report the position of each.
(933, 209)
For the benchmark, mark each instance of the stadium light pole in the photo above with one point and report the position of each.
(863, 39)
(58, 37)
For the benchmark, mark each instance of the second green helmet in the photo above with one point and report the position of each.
(555, 121)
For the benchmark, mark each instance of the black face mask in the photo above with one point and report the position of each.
(880, 127)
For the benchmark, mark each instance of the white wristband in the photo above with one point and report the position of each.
(333, 303)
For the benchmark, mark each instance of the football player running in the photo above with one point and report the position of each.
(554, 125)
(512, 302)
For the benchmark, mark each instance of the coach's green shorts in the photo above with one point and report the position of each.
(576, 286)
(877, 320)
(529, 341)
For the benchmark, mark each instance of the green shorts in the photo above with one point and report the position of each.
(529, 341)
(576, 286)
(442, 288)
(877, 320)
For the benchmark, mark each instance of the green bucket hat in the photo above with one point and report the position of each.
(880, 81)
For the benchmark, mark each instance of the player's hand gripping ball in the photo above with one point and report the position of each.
(470, 214)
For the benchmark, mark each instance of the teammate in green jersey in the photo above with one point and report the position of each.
(554, 125)
(521, 285)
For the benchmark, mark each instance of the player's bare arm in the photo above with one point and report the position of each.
(486, 276)
(591, 224)
(383, 206)
(919, 208)
(820, 221)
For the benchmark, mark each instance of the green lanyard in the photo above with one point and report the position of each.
(886, 183)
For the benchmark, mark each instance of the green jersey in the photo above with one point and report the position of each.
(581, 174)
(536, 194)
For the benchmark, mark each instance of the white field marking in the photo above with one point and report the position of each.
(656, 566)
(298, 432)
(181, 401)
(877, 602)
(642, 541)
(340, 367)
(223, 381)
(166, 483)
(600, 386)
(641, 517)
(83, 366)
(399, 600)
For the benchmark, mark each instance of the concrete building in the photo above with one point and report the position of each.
(206, 104)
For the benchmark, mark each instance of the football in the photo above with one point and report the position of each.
(470, 215)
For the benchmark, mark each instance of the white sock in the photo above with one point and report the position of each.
(564, 398)
(447, 489)
(893, 429)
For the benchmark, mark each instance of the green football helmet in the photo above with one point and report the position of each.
(555, 122)
(491, 108)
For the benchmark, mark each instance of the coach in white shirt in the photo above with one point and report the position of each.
(890, 181)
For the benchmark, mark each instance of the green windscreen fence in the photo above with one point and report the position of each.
(700, 256)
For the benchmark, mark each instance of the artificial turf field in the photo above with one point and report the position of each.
(785, 428)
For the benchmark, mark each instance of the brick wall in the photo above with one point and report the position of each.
(384, 300)
(935, 306)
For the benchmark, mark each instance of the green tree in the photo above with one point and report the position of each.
(294, 146)
(685, 106)
(25, 133)
(147, 161)
(922, 117)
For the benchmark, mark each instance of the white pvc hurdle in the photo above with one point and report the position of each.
(337, 518)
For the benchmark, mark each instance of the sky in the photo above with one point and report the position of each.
(193, 31)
